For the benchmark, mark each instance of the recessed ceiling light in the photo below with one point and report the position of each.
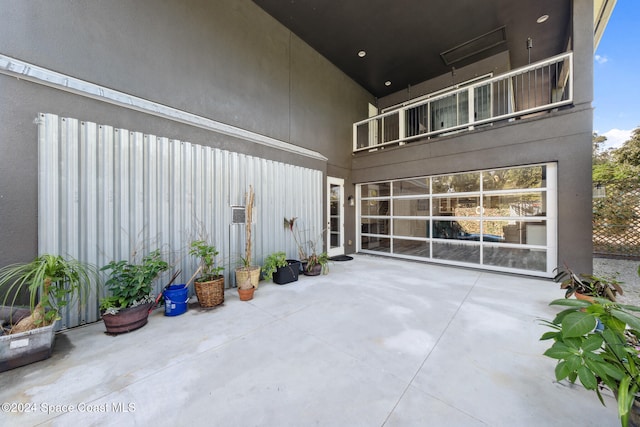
(542, 19)
(387, 83)
(362, 54)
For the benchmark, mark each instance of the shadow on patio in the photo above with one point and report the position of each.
(376, 342)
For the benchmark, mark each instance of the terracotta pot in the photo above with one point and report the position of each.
(127, 320)
(246, 294)
(583, 297)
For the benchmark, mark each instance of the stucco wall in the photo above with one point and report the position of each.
(227, 61)
(562, 136)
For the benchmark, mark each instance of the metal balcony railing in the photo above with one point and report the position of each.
(541, 86)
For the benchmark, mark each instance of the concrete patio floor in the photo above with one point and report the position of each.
(376, 342)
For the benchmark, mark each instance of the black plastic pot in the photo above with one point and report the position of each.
(288, 274)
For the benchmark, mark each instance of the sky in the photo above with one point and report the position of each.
(616, 71)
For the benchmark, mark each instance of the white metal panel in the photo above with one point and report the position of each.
(109, 194)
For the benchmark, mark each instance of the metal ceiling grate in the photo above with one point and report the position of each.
(475, 46)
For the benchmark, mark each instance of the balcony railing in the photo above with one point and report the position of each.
(541, 86)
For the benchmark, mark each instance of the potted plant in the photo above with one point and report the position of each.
(312, 263)
(246, 288)
(128, 307)
(209, 285)
(586, 286)
(52, 282)
(281, 269)
(316, 264)
(597, 343)
(248, 270)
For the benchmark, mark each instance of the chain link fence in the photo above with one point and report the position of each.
(616, 220)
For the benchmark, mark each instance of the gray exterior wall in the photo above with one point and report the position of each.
(562, 136)
(224, 60)
(231, 62)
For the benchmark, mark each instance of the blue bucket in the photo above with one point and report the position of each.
(175, 300)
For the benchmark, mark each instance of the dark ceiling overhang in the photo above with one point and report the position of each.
(409, 41)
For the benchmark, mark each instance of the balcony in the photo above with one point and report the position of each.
(538, 87)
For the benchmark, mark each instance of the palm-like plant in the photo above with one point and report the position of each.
(52, 282)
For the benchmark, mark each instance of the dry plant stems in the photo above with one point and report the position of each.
(249, 219)
(290, 224)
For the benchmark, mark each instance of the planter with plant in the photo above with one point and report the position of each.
(209, 285)
(597, 344)
(248, 273)
(317, 264)
(313, 263)
(132, 296)
(586, 286)
(281, 269)
(52, 282)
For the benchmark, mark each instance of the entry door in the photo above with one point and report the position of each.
(335, 216)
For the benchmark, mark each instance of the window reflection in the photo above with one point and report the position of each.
(381, 189)
(411, 247)
(375, 226)
(411, 187)
(517, 204)
(373, 243)
(463, 230)
(374, 207)
(456, 206)
(411, 207)
(457, 252)
(411, 227)
(525, 259)
(515, 178)
(457, 183)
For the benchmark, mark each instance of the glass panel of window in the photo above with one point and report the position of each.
(444, 113)
(516, 204)
(375, 207)
(417, 120)
(411, 187)
(456, 206)
(411, 247)
(516, 232)
(457, 251)
(516, 178)
(457, 183)
(463, 108)
(375, 226)
(381, 189)
(373, 243)
(525, 259)
(457, 230)
(411, 227)
(411, 207)
(482, 102)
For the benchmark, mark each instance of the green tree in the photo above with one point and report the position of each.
(629, 153)
(619, 171)
(596, 143)
(621, 166)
